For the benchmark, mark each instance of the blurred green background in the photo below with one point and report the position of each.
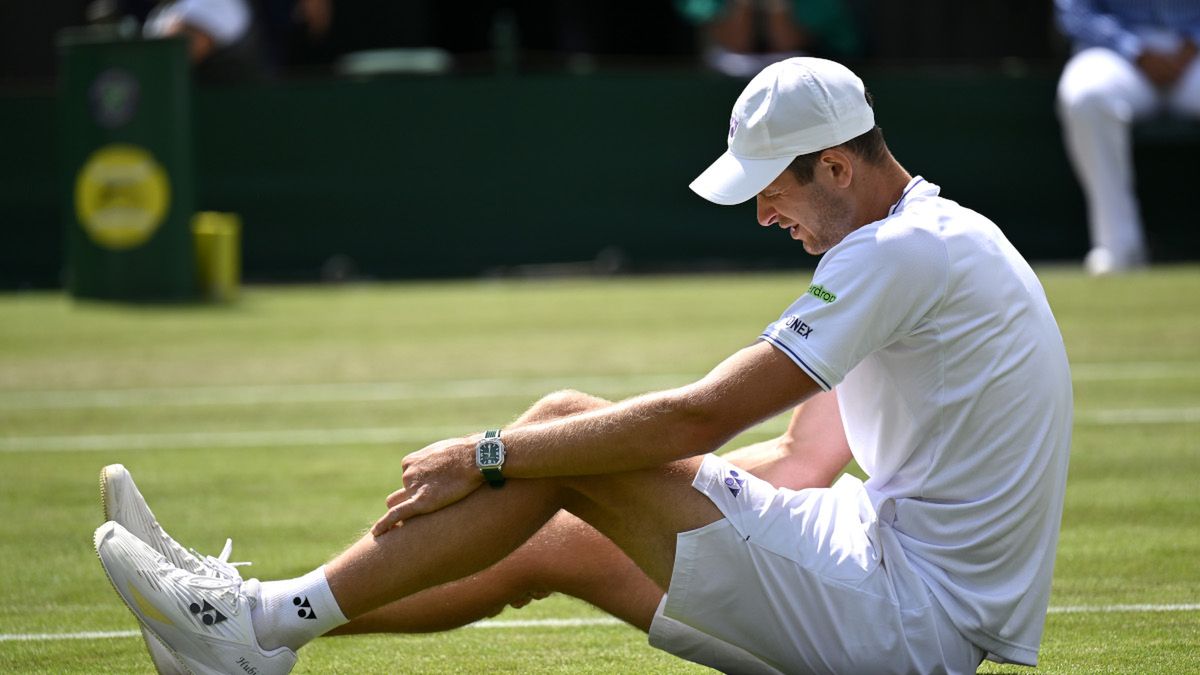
(555, 136)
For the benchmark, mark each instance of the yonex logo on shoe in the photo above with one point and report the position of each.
(306, 610)
(208, 614)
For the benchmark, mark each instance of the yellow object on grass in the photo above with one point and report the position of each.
(218, 254)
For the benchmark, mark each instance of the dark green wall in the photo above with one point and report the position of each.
(453, 176)
(31, 248)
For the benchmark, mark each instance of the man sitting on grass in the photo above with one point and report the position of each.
(924, 349)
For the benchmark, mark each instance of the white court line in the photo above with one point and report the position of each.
(585, 623)
(190, 440)
(234, 395)
(520, 623)
(1121, 416)
(548, 623)
(1133, 609)
(269, 438)
(86, 635)
(1138, 370)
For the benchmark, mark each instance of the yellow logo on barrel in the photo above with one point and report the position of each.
(121, 196)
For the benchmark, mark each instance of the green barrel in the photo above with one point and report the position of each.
(125, 152)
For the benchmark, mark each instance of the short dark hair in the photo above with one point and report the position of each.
(869, 146)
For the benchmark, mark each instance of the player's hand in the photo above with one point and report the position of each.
(434, 478)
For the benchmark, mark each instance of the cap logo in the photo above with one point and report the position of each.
(733, 125)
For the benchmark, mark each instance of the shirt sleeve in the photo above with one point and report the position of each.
(868, 291)
(1089, 25)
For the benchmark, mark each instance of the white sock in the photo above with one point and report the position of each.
(294, 612)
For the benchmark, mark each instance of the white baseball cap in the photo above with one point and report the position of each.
(791, 108)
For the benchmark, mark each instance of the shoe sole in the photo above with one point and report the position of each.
(146, 630)
(104, 489)
(190, 666)
(165, 660)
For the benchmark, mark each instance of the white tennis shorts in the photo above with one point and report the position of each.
(801, 582)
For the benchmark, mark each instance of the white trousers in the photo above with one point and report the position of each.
(1100, 94)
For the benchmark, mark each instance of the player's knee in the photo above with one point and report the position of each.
(565, 402)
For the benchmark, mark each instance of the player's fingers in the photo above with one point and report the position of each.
(394, 514)
(413, 505)
(388, 521)
(396, 497)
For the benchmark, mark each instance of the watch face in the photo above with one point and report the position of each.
(490, 453)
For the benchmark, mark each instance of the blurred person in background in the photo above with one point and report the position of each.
(577, 35)
(296, 32)
(316, 16)
(222, 40)
(742, 37)
(1133, 59)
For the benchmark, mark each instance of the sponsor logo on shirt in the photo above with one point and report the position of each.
(798, 326)
(821, 294)
(735, 483)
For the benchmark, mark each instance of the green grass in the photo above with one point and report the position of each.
(455, 357)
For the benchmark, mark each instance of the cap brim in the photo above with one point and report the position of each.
(733, 180)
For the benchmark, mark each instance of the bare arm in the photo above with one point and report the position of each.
(754, 384)
(811, 453)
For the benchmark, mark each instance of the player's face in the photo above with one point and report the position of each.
(813, 214)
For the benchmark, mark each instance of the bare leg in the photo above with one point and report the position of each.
(569, 556)
(488, 525)
(565, 556)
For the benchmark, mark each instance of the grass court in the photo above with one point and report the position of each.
(280, 421)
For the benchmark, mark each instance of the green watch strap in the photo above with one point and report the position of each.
(493, 477)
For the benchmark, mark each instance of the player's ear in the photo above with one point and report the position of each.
(836, 167)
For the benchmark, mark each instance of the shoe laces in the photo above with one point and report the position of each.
(220, 565)
(226, 587)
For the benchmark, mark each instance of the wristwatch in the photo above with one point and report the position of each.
(489, 457)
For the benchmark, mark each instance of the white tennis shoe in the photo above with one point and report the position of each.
(204, 620)
(124, 504)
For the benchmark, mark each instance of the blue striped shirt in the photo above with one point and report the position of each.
(1114, 23)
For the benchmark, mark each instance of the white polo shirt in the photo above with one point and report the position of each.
(956, 398)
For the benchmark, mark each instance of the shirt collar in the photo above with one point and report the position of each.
(917, 187)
